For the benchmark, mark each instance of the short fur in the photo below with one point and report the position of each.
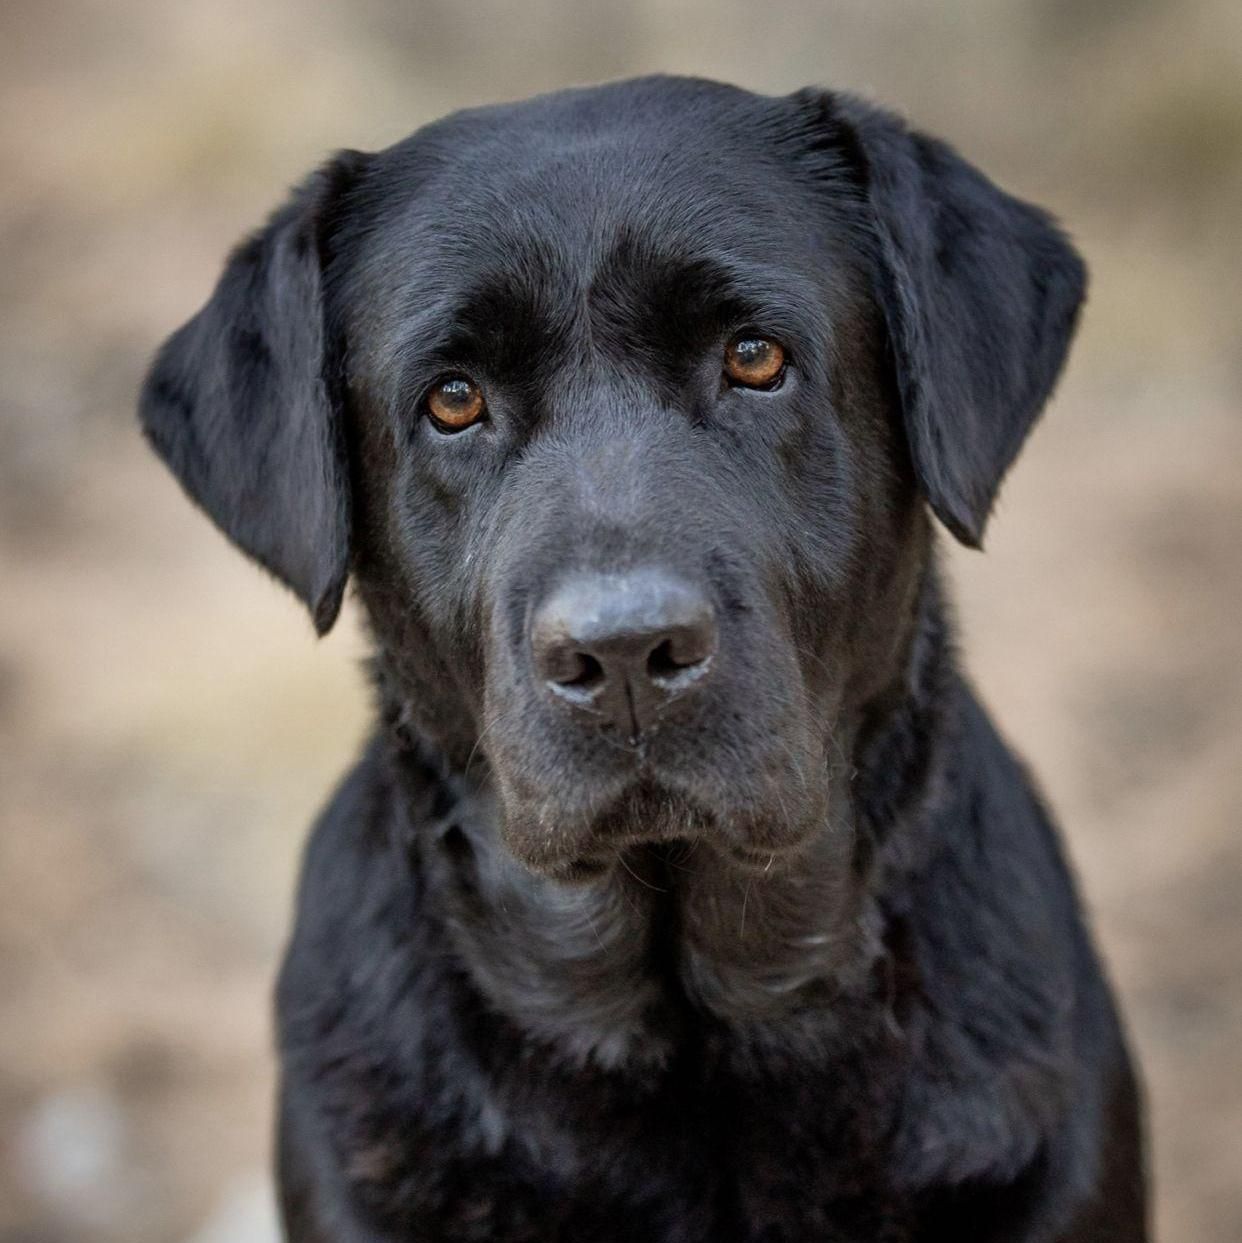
(802, 962)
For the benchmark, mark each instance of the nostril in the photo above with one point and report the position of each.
(661, 663)
(680, 653)
(564, 665)
(580, 671)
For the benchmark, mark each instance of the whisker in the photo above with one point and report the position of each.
(478, 742)
(635, 875)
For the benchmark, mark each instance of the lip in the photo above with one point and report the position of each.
(588, 867)
(593, 847)
(579, 870)
(765, 861)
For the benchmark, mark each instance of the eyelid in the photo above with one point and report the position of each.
(803, 343)
(764, 334)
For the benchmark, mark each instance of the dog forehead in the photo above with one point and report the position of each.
(629, 125)
(529, 212)
(560, 180)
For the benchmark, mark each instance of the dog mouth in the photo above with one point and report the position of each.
(746, 782)
(575, 869)
(764, 862)
(577, 844)
(652, 863)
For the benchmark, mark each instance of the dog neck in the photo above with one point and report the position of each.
(622, 969)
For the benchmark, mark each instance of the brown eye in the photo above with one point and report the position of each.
(455, 404)
(754, 362)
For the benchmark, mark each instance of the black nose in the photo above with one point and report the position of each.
(621, 646)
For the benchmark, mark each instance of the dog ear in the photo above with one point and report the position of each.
(239, 402)
(981, 294)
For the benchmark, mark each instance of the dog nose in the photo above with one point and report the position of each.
(621, 646)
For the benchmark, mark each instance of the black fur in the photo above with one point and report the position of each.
(238, 404)
(803, 961)
(981, 293)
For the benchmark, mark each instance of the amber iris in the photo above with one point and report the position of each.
(754, 362)
(455, 404)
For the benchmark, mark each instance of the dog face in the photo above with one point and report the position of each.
(621, 406)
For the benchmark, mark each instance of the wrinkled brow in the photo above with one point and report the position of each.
(521, 319)
(500, 325)
(678, 301)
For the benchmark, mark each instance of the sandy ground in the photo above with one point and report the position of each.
(168, 724)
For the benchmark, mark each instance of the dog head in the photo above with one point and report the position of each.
(621, 406)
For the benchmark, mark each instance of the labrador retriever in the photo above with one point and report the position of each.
(685, 891)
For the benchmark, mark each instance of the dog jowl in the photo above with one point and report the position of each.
(685, 891)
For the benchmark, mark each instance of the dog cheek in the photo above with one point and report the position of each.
(523, 771)
(535, 829)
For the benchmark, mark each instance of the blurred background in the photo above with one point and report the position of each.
(168, 725)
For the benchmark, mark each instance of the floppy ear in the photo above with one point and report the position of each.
(238, 402)
(981, 294)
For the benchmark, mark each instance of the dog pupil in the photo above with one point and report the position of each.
(753, 360)
(457, 392)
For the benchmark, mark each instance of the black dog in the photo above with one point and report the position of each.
(686, 892)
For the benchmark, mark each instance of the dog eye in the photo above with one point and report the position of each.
(754, 362)
(455, 404)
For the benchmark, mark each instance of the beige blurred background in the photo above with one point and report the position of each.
(168, 724)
